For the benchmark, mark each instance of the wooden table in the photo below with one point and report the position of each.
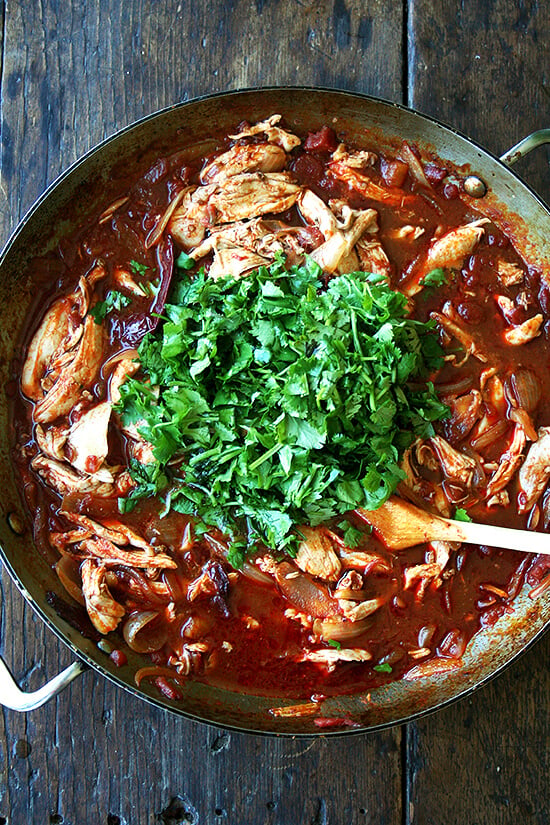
(73, 73)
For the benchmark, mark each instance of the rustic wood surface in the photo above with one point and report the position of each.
(72, 73)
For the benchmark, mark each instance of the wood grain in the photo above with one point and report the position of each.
(485, 759)
(484, 69)
(74, 73)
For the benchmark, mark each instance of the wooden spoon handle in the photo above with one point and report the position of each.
(526, 541)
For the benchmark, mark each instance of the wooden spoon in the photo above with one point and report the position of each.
(399, 524)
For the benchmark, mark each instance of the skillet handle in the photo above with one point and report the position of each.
(11, 696)
(521, 149)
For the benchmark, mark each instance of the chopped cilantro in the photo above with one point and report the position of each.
(270, 401)
(352, 536)
(435, 278)
(113, 300)
(461, 515)
(185, 261)
(335, 643)
(385, 667)
(138, 269)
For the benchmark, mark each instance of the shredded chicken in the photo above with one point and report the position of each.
(104, 612)
(535, 471)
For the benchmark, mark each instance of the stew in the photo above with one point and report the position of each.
(241, 354)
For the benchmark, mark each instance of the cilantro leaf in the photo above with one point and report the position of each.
(138, 269)
(385, 667)
(435, 278)
(461, 515)
(270, 401)
(113, 300)
(335, 643)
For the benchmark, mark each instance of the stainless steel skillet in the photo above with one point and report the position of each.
(94, 182)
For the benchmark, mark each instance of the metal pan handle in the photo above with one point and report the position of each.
(11, 696)
(521, 149)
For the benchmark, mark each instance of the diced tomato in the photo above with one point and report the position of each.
(324, 140)
(394, 172)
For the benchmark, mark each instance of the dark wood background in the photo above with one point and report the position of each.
(73, 72)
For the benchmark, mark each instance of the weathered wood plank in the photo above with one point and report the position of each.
(482, 68)
(73, 73)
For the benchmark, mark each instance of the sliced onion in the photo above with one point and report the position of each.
(250, 571)
(523, 388)
(432, 668)
(155, 236)
(453, 388)
(139, 636)
(340, 630)
(415, 167)
(67, 570)
(490, 435)
(153, 672)
(426, 634)
(303, 593)
(354, 595)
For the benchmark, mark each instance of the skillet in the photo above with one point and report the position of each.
(96, 180)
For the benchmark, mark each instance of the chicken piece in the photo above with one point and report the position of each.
(315, 211)
(124, 368)
(190, 659)
(449, 251)
(292, 241)
(509, 274)
(456, 466)
(363, 560)
(454, 330)
(239, 197)
(104, 612)
(437, 557)
(51, 440)
(424, 574)
(405, 233)
(368, 188)
(112, 530)
(253, 193)
(373, 258)
(125, 282)
(517, 335)
(80, 374)
(357, 610)
(501, 499)
(465, 412)
(339, 246)
(331, 656)
(509, 462)
(46, 340)
(192, 217)
(87, 446)
(104, 549)
(316, 554)
(355, 160)
(138, 448)
(65, 480)
(241, 233)
(274, 134)
(255, 157)
(535, 471)
(129, 536)
(234, 260)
